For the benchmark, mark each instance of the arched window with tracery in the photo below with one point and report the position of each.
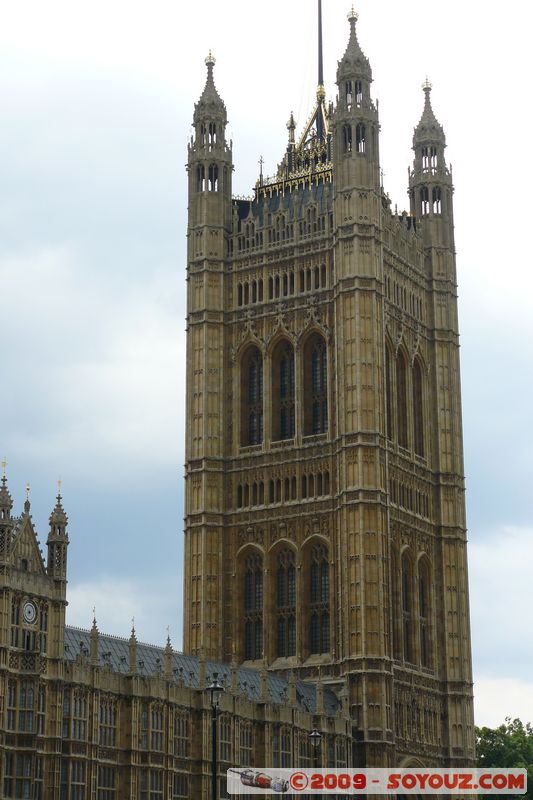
(424, 609)
(283, 391)
(252, 397)
(286, 604)
(319, 621)
(401, 399)
(253, 607)
(418, 409)
(315, 386)
(407, 607)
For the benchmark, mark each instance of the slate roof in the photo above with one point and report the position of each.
(113, 652)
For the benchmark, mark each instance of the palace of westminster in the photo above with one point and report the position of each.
(325, 544)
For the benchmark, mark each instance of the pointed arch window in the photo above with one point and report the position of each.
(436, 196)
(319, 622)
(283, 391)
(253, 607)
(424, 606)
(347, 138)
(213, 178)
(315, 386)
(401, 399)
(252, 397)
(424, 201)
(200, 178)
(407, 608)
(286, 604)
(425, 159)
(360, 137)
(358, 94)
(349, 95)
(418, 409)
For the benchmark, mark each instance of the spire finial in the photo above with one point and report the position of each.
(94, 618)
(352, 17)
(427, 86)
(59, 484)
(210, 63)
(27, 492)
(4, 467)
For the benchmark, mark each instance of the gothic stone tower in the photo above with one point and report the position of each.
(325, 522)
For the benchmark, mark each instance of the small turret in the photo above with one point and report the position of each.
(430, 180)
(57, 541)
(210, 116)
(6, 525)
(208, 150)
(132, 651)
(168, 660)
(356, 124)
(94, 643)
(354, 74)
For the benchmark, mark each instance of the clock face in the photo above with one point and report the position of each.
(30, 612)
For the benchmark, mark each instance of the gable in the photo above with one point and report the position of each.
(26, 554)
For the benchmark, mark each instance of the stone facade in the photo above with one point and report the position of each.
(325, 518)
(325, 541)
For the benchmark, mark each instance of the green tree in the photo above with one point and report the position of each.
(509, 745)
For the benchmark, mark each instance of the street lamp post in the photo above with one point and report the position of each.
(316, 740)
(215, 689)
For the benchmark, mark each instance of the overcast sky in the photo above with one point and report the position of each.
(96, 102)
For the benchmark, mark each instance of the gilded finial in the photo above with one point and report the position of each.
(426, 86)
(133, 625)
(210, 60)
(27, 492)
(4, 467)
(353, 15)
(59, 484)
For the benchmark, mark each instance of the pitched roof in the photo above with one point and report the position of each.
(113, 651)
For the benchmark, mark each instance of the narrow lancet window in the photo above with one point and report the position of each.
(319, 622)
(315, 386)
(286, 604)
(360, 138)
(407, 609)
(424, 201)
(437, 200)
(253, 608)
(252, 397)
(213, 178)
(401, 399)
(418, 409)
(283, 391)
